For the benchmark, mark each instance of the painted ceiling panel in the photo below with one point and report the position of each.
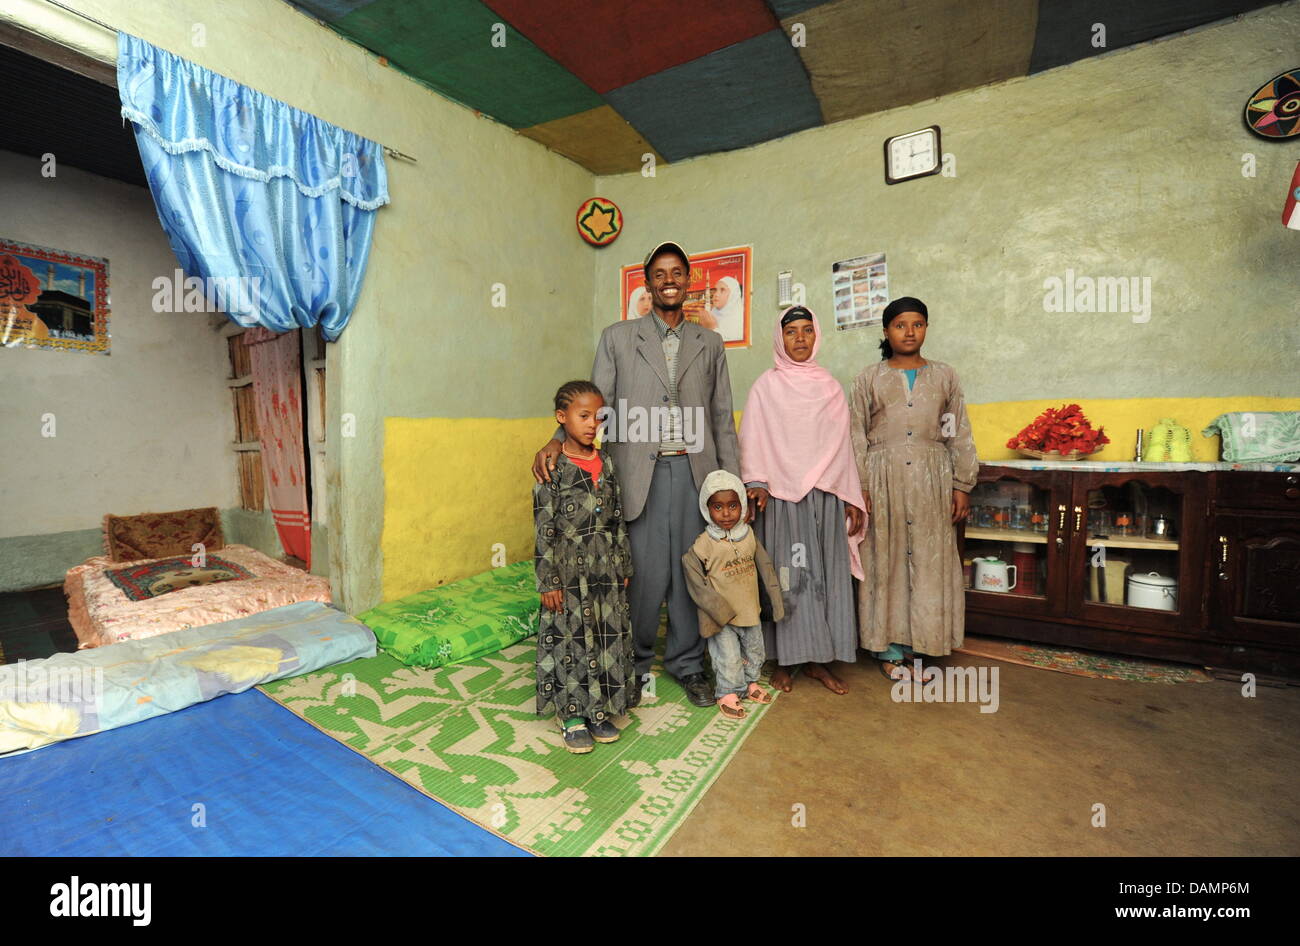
(330, 10)
(870, 57)
(448, 46)
(751, 92)
(1066, 26)
(605, 81)
(600, 140)
(785, 8)
(611, 44)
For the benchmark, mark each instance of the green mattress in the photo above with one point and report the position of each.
(461, 621)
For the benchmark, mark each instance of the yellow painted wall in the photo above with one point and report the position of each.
(457, 486)
(994, 424)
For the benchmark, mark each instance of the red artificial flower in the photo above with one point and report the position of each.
(1065, 430)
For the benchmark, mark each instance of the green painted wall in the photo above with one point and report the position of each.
(1125, 165)
(482, 207)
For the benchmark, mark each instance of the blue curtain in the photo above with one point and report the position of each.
(270, 206)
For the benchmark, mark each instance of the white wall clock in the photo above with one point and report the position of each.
(915, 154)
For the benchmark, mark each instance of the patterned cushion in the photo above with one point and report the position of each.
(140, 582)
(161, 534)
(470, 618)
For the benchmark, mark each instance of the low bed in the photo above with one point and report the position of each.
(166, 571)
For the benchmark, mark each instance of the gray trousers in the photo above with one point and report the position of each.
(659, 537)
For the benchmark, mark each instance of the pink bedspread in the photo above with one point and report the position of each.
(101, 614)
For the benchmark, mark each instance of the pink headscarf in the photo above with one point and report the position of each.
(794, 433)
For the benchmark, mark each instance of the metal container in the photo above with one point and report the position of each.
(1153, 590)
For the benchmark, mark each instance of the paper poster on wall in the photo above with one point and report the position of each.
(717, 298)
(52, 299)
(861, 290)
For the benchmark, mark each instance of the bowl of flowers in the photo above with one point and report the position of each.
(1059, 434)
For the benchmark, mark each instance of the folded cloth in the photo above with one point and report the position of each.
(69, 695)
(1261, 436)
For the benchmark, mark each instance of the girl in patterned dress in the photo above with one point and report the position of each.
(583, 563)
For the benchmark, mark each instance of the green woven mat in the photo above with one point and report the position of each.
(467, 735)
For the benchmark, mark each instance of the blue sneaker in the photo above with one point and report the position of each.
(603, 730)
(577, 738)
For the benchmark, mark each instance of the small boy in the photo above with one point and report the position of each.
(729, 575)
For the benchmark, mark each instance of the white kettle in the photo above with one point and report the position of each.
(991, 574)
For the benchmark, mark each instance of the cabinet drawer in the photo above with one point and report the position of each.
(1257, 490)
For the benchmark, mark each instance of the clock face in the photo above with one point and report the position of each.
(912, 155)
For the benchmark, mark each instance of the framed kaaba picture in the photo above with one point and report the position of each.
(52, 299)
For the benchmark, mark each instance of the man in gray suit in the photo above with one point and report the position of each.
(670, 424)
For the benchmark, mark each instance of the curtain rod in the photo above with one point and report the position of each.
(391, 152)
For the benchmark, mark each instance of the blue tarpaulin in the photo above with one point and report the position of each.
(239, 775)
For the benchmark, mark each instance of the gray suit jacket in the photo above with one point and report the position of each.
(631, 372)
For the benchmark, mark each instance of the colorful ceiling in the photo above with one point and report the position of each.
(606, 81)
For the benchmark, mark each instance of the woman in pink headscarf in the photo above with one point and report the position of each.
(796, 453)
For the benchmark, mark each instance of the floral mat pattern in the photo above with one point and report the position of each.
(467, 735)
(1083, 663)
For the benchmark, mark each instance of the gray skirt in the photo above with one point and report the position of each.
(809, 547)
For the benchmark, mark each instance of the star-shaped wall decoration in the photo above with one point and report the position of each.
(599, 221)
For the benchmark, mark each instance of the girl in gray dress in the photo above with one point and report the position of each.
(916, 460)
(797, 453)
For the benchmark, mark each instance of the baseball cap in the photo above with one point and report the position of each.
(666, 245)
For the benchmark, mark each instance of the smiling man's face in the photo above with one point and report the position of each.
(668, 279)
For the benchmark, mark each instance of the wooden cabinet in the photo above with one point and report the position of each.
(1200, 567)
(1253, 571)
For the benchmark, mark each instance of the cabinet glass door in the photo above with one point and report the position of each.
(1007, 558)
(1131, 535)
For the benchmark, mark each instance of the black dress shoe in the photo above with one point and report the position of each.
(697, 689)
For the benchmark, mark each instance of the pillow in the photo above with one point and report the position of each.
(140, 582)
(470, 618)
(161, 534)
(1258, 436)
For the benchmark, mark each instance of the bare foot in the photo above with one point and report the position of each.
(829, 680)
(782, 680)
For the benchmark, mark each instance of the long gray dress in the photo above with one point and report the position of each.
(913, 449)
(808, 544)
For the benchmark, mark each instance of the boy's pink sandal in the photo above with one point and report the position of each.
(757, 694)
(731, 710)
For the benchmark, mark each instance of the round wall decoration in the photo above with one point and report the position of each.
(599, 221)
(1274, 110)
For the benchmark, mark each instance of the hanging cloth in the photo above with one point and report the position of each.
(270, 207)
(277, 394)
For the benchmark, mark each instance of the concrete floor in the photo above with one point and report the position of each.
(1185, 769)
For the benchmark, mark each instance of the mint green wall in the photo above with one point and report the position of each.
(483, 206)
(1125, 165)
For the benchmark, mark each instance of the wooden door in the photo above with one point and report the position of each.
(1255, 578)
